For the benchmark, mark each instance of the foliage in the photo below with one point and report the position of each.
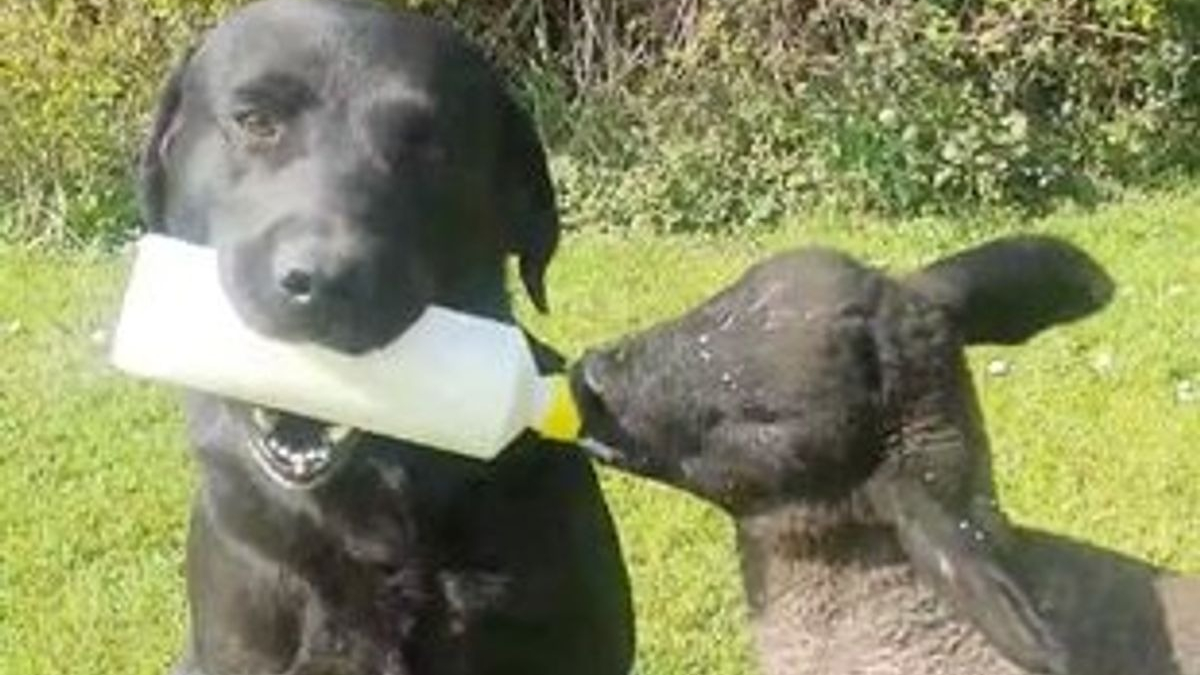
(78, 78)
(899, 106)
(684, 115)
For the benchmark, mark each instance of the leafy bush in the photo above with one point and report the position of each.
(685, 115)
(899, 106)
(77, 79)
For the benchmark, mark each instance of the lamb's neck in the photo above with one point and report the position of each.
(845, 600)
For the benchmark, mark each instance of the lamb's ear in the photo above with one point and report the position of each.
(1008, 290)
(152, 172)
(947, 553)
(529, 209)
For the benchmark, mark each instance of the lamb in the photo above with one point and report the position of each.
(829, 410)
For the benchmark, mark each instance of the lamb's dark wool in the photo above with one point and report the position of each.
(830, 410)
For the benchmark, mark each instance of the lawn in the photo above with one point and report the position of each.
(1094, 428)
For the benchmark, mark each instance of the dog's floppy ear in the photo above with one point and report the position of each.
(1008, 290)
(152, 172)
(528, 206)
(961, 565)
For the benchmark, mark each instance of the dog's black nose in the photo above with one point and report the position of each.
(298, 285)
(309, 270)
(321, 281)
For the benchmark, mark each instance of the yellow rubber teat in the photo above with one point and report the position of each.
(562, 420)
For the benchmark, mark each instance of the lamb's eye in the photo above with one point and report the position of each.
(259, 126)
(419, 142)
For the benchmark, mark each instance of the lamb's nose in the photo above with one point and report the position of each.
(591, 378)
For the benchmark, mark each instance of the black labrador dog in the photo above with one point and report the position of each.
(351, 165)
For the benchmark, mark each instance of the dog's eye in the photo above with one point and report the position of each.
(259, 126)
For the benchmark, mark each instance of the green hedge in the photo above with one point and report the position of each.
(898, 106)
(683, 114)
(78, 79)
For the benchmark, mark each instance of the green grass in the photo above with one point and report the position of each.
(1090, 435)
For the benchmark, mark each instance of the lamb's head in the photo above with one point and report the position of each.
(815, 380)
(814, 373)
(766, 393)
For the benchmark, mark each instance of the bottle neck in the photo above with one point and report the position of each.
(556, 415)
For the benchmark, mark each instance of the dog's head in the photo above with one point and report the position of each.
(818, 382)
(351, 164)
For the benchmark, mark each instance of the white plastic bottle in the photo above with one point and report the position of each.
(452, 381)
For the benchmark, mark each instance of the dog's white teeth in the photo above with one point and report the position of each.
(336, 434)
(264, 419)
(296, 462)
